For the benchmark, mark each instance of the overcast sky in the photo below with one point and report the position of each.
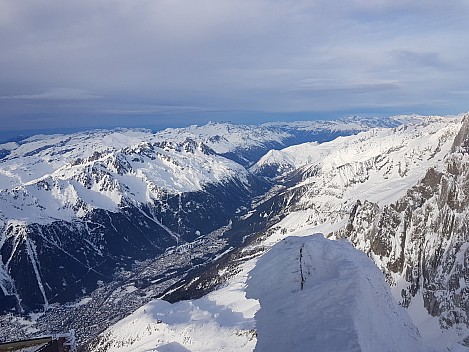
(97, 63)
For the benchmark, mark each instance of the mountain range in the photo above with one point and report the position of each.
(207, 229)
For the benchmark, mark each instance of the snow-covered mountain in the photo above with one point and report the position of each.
(247, 143)
(94, 207)
(76, 210)
(182, 217)
(421, 241)
(314, 294)
(372, 189)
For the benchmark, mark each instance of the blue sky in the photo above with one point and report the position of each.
(103, 63)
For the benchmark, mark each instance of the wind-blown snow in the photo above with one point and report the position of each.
(345, 305)
(321, 295)
(222, 320)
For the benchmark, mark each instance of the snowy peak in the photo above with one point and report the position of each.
(247, 143)
(379, 165)
(407, 144)
(67, 176)
(226, 137)
(107, 177)
(420, 242)
(374, 189)
(322, 295)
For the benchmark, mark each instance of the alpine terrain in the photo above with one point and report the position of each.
(347, 235)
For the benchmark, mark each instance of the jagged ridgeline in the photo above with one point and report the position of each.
(421, 241)
(58, 260)
(399, 195)
(107, 221)
(76, 209)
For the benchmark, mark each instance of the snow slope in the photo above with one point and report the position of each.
(221, 320)
(379, 165)
(345, 305)
(45, 178)
(107, 198)
(404, 145)
(62, 177)
(228, 137)
(321, 295)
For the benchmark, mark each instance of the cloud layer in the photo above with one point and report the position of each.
(81, 62)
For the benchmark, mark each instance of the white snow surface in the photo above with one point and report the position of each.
(46, 178)
(223, 320)
(41, 180)
(379, 165)
(50, 177)
(345, 305)
(405, 144)
(322, 295)
(227, 137)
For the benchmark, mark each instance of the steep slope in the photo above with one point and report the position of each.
(352, 187)
(314, 294)
(97, 203)
(402, 199)
(374, 189)
(223, 320)
(322, 295)
(421, 241)
(100, 200)
(247, 143)
(82, 214)
(132, 215)
(378, 165)
(280, 162)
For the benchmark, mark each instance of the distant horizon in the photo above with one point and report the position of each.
(18, 134)
(90, 64)
(12, 134)
(173, 120)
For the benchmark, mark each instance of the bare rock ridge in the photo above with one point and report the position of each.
(424, 237)
(461, 142)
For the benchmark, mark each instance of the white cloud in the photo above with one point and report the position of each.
(273, 55)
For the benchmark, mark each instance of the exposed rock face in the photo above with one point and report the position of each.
(424, 236)
(63, 233)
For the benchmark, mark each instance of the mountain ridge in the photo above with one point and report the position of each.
(324, 188)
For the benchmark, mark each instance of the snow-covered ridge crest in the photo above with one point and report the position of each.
(107, 177)
(305, 294)
(46, 178)
(367, 166)
(365, 145)
(378, 165)
(420, 242)
(226, 137)
(321, 295)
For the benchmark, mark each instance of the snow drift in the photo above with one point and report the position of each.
(315, 295)
(321, 295)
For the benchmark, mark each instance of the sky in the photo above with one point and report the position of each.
(131, 63)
